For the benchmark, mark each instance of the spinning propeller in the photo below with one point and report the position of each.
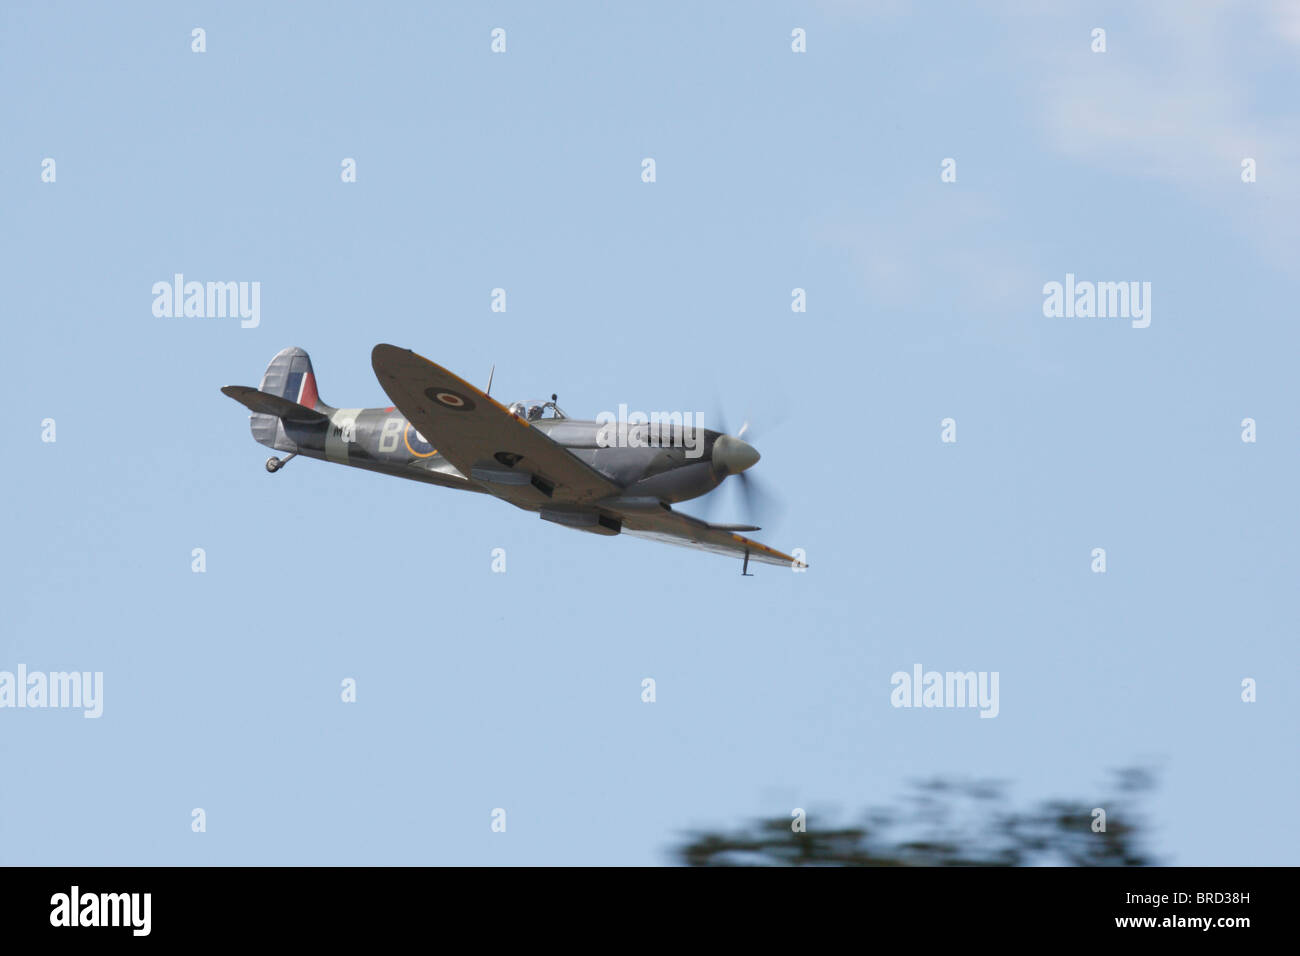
(733, 455)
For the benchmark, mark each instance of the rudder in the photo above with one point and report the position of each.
(290, 376)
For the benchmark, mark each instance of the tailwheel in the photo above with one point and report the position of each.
(274, 464)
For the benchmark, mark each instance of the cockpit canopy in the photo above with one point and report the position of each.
(535, 409)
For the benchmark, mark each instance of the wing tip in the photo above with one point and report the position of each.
(383, 350)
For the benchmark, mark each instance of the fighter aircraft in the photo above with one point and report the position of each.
(530, 453)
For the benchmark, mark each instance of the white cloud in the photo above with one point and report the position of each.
(1181, 97)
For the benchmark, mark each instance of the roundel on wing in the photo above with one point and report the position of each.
(416, 444)
(449, 398)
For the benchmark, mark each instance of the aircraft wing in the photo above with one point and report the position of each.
(673, 527)
(476, 433)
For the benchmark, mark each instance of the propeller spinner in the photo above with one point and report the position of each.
(732, 455)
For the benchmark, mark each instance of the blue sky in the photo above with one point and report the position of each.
(775, 170)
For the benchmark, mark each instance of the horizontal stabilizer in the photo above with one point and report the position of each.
(269, 404)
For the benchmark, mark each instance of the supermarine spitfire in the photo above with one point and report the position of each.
(444, 431)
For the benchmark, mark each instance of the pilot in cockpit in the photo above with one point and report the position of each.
(535, 410)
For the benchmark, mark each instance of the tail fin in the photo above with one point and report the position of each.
(289, 384)
(290, 376)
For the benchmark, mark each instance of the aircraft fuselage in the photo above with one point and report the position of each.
(647, 462)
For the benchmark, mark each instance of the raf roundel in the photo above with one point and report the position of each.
(449, 399)
(417, 444)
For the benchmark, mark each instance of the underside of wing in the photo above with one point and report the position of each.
(476, 433)
(673, 527)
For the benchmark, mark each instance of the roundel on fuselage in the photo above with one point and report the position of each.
(416, 444)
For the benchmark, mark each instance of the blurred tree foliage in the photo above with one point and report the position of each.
(944, 823)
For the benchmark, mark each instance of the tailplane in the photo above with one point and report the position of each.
(264, 403)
